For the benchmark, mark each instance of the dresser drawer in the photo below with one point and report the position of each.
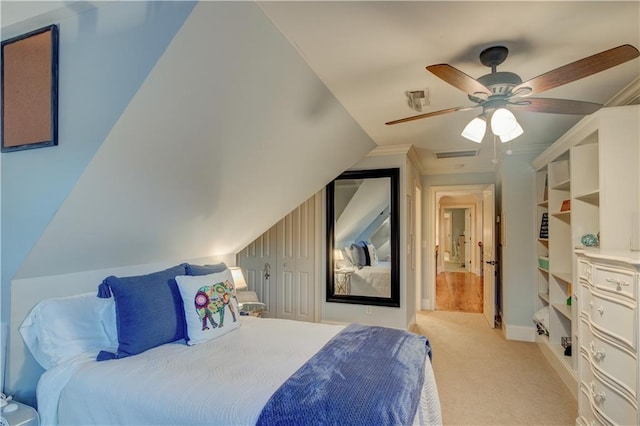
(609, 359)
(615, 280)
(605, 399)
(613, 317)
(588, 416)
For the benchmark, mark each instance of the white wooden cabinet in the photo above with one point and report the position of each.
(608, 335)
(595, 169)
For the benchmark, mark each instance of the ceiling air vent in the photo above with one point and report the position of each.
(456, 154)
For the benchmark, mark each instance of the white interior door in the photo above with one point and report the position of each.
(296, 265)
(468, 240)
(488, 250)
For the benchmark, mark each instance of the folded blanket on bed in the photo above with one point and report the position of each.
(364, 375)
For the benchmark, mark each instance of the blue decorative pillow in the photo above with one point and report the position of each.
(195, 270)
(358, 256)
(149, 310)
(365, 250)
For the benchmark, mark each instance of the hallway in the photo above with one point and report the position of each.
(459, 291)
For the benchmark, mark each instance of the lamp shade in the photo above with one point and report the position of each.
(475, 130)
(503, 122)
(238, 278)
(513, 134)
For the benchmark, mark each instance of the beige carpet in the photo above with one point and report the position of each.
(484, 379)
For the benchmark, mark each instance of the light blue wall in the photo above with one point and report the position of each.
(105, 55)
(518, 258)
(186, 130)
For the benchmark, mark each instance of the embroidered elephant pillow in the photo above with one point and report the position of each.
(210, 306)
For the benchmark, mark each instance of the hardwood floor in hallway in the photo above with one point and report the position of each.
(459, 291)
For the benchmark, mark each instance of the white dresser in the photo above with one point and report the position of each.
(608, 366)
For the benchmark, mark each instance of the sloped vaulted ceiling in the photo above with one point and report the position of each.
(229, 132)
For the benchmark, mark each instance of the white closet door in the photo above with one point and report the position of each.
(296, 258)
(280, 265)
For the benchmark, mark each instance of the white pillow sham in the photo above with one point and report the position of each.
(210, 306)
(61, 328)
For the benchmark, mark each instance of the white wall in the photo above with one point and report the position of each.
(517, 264)
(380, 315)
(196, 149)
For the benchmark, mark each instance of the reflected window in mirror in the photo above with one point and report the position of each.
(363, 238)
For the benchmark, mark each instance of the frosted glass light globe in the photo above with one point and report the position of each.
(503, 122)
(475, 130)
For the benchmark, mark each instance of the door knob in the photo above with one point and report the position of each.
(267, 271)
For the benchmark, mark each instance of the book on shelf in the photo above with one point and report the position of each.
(566, 206)
(544, 226)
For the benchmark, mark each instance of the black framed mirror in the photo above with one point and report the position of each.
(363, 240)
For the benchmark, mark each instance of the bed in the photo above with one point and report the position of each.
(242, 375)
(372, 281)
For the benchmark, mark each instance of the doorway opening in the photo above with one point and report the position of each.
(460, 240)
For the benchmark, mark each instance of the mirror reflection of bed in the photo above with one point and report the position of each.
(362, 251)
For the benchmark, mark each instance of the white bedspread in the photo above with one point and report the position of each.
(372, 281)
(224, 381)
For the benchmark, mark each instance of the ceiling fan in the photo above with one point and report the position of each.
(495, 91)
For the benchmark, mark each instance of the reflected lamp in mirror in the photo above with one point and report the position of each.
(238, 278)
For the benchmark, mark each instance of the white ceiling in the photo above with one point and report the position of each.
(369, 53)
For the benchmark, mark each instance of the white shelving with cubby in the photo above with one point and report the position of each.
(558, 277)
(585, 204)
(542, 245)
(595, 165)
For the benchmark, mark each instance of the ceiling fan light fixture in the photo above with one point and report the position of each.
(476, 129)
(503, 122)
(513, 134)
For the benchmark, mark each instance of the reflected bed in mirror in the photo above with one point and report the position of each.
(362, 238)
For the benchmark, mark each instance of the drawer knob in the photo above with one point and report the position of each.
(599, 354)
(598, 397)
(618, 282)
(601, 310)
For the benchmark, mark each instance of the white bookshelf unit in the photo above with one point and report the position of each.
(587, 183)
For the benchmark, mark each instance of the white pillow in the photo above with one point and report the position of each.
(210, 305)
(64, 327)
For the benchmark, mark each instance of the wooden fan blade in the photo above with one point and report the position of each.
(580, 69)
(557, 106)
(428, 114)
(460, 80)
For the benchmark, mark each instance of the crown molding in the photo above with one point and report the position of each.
(630, 95)
(381, 150)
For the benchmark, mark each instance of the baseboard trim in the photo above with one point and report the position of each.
(521, 333)
(566, 374)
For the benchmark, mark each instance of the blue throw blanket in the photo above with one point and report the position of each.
(365, 375)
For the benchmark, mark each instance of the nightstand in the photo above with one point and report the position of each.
(255, 309)
(343, 281)
(17, 414)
